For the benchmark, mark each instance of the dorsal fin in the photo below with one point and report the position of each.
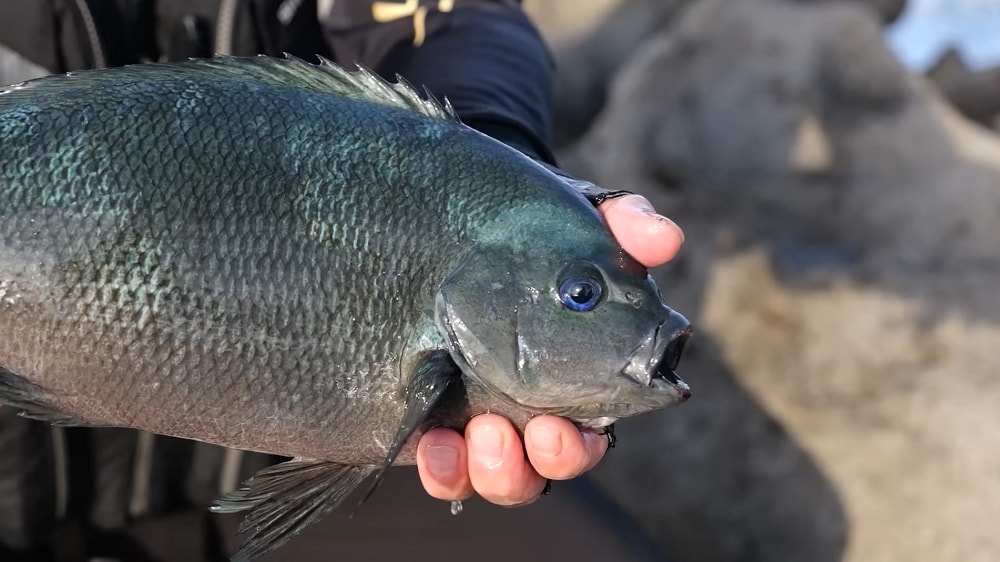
(327, 77)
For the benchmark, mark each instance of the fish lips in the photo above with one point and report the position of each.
(654, 362)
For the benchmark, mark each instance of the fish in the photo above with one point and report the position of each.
(305, 260)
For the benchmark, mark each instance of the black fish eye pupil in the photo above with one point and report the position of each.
(580, 293)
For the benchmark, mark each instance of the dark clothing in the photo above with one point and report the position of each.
(499, 82)
(485, 56)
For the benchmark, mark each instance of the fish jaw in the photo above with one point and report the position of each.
(654, 362)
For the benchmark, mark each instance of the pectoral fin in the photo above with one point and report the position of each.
(286, 498)
(428, 384)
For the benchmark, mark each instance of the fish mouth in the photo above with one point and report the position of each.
(654, 363)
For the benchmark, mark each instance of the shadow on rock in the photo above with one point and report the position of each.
(718, 479)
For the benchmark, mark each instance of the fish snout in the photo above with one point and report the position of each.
(666, 368)
(654, 361)
(676, 331)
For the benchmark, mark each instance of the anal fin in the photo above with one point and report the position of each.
(284, 499)
(35, 402)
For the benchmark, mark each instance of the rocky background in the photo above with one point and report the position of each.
(842, 268)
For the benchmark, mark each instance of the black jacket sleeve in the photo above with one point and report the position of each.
(486, 57)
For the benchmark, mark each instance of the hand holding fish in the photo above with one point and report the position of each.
(489, 459)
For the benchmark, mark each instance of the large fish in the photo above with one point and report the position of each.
(297, 259)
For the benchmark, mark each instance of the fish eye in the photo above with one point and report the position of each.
(580, 293)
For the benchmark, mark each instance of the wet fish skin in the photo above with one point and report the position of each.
(165, 284)
(273, 256)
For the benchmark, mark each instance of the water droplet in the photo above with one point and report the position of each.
(456, 507)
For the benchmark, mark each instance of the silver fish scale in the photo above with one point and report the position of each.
(231, 262)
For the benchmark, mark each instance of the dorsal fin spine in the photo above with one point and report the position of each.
(291, 71)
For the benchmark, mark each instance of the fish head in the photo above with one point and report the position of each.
(577, 329)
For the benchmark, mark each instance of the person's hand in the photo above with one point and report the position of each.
(489, 459)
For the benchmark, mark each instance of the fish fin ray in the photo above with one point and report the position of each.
(284, 499)
(290, 71)
(428, 384)
(34, 401)
(59, 420)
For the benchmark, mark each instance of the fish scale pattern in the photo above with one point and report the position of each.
(213, 254)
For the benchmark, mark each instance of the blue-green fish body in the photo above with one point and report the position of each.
(295, 259)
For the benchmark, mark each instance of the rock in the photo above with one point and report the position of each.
(589, 47)
(561, 21)
(716, 122)
(589, 62)
(975, 93)
(887, 10)
(591, 39)
(811, 150)
(845, 384)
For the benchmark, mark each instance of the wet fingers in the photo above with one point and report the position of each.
(498, 469)
(559, 451)
(442, 462)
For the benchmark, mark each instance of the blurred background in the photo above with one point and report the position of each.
(836, 168)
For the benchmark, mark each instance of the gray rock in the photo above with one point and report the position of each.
(975, 93)
(586, 64)
(716, 121)
(592, 39)
(887, 10)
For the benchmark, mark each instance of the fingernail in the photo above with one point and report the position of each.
(595, 440)
(442, 461)
(676, 226)
(486, 446)
(641, 204)
(545, 440)
(648, 210)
